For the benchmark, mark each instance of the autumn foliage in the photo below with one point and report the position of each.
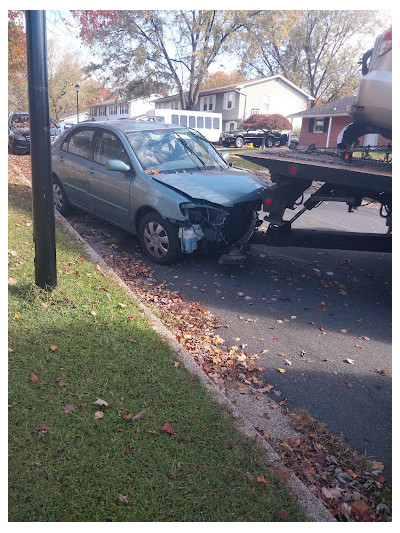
(267, 122)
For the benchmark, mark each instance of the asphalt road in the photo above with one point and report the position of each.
(323, 316)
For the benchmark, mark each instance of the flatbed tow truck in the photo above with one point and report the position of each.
(353, 182)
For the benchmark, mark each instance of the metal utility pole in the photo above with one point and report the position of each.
(42, 184)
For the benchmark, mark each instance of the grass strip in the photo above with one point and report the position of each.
(71, 459)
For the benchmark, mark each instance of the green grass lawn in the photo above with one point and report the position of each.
(73, 460)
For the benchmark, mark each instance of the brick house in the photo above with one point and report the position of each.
(322, 124)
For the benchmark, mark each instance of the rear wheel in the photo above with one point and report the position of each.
(60, 198)
(269, 142)
(159, 239)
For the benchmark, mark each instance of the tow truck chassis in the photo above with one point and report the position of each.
(333, 181)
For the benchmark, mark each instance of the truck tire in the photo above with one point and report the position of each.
(269, 142)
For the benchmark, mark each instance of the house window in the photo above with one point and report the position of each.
(231, 126)
(216, 123)
(200, 122)
(175, 105)
(255, 111)
(266, 102)
(124, 109)
(229, 100)
(192, 121)
(318, 125)
(207, 103)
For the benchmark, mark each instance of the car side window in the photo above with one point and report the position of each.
(108, 146)
(79, 143)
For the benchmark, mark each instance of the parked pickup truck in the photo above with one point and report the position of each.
(243, 136)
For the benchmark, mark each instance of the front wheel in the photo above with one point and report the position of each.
(239, 142)
(60, 198)
(159, 239)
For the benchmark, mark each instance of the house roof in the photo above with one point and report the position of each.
(238, 87)
(336, 108)
(152, 97)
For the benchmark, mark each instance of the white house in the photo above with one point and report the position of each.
(118, 109)
(274, 94)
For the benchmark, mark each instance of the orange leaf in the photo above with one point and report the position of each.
(169, 428)
(54, 347)
(261, 479)
(34, 378)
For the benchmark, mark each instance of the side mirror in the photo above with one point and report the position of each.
(117, 165)
(226, 157)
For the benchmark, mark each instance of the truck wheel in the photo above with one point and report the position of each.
(159, 239)
(269, 142)
(239, 142)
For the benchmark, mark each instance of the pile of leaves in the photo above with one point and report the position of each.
(351, 486)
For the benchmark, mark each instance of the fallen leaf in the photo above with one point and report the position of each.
(127, 416)
(54, 347)
(17, 315)
(358, 346)
(352, 473)
(139, 415)
(282, 514)
(43, 427)
(281, 370)
(359, 507)
(122, 305)
(98, 415)
(100, 402)
(11, 281)
(350, 384)
(350, 361)
(123, 499)
(343, 331)
(266, 415)
(168, 428)
(69, 408)
(34, 378)
(261, 479)
(62, 382)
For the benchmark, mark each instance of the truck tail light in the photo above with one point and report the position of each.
(268, 201)
(386, 44)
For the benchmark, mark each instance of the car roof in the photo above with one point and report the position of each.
(128, 126)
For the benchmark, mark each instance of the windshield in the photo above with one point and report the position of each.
(167, 152)
(20, 121)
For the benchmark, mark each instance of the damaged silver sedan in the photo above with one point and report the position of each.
(167, 185)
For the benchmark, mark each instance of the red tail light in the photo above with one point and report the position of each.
(268, 201)
(386, 44)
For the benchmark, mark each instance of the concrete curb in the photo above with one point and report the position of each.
(313, 507)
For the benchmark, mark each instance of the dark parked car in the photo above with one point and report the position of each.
(164, 183)
(243, 136)
(19, 139)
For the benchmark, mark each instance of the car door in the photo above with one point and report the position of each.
(109, 189)
(71, 164)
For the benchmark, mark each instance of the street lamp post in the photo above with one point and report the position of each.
(77, 103)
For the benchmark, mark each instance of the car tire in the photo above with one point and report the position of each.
(269, 142)
(159, 239)
(239, 142)
(60, 199)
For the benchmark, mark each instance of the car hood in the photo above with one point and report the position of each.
(20, 131)
(225, 188)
